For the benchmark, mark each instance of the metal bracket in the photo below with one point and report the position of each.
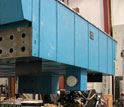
(91, 35)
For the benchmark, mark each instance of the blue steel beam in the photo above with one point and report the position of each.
(59, 35)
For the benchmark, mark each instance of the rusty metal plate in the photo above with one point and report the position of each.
(16, 43)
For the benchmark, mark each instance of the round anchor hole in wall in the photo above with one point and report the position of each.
(23, 35)
(11, 37)
(11, 50)
(23, 49)
(1, 51)
(1, 38)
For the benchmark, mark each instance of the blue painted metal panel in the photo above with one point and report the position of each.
(103, 49)
(48, 29)
(110, 59)
(81, 42)
(59, 34)
(93, 49)
(65, 39)
(27, 9)
(10, 11)
(36, 27)
(83, 81)
(81, 75)
(114, 56)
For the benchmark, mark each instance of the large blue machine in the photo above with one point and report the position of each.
(43, 39)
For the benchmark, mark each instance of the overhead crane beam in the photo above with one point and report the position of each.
(62, 41)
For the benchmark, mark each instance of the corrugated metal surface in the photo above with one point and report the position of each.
(48, 32)
(65, 38)
(103, 48)
(61, 35)
(81, 42)
(93, 49)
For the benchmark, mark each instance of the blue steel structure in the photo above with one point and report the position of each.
(66, 43)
